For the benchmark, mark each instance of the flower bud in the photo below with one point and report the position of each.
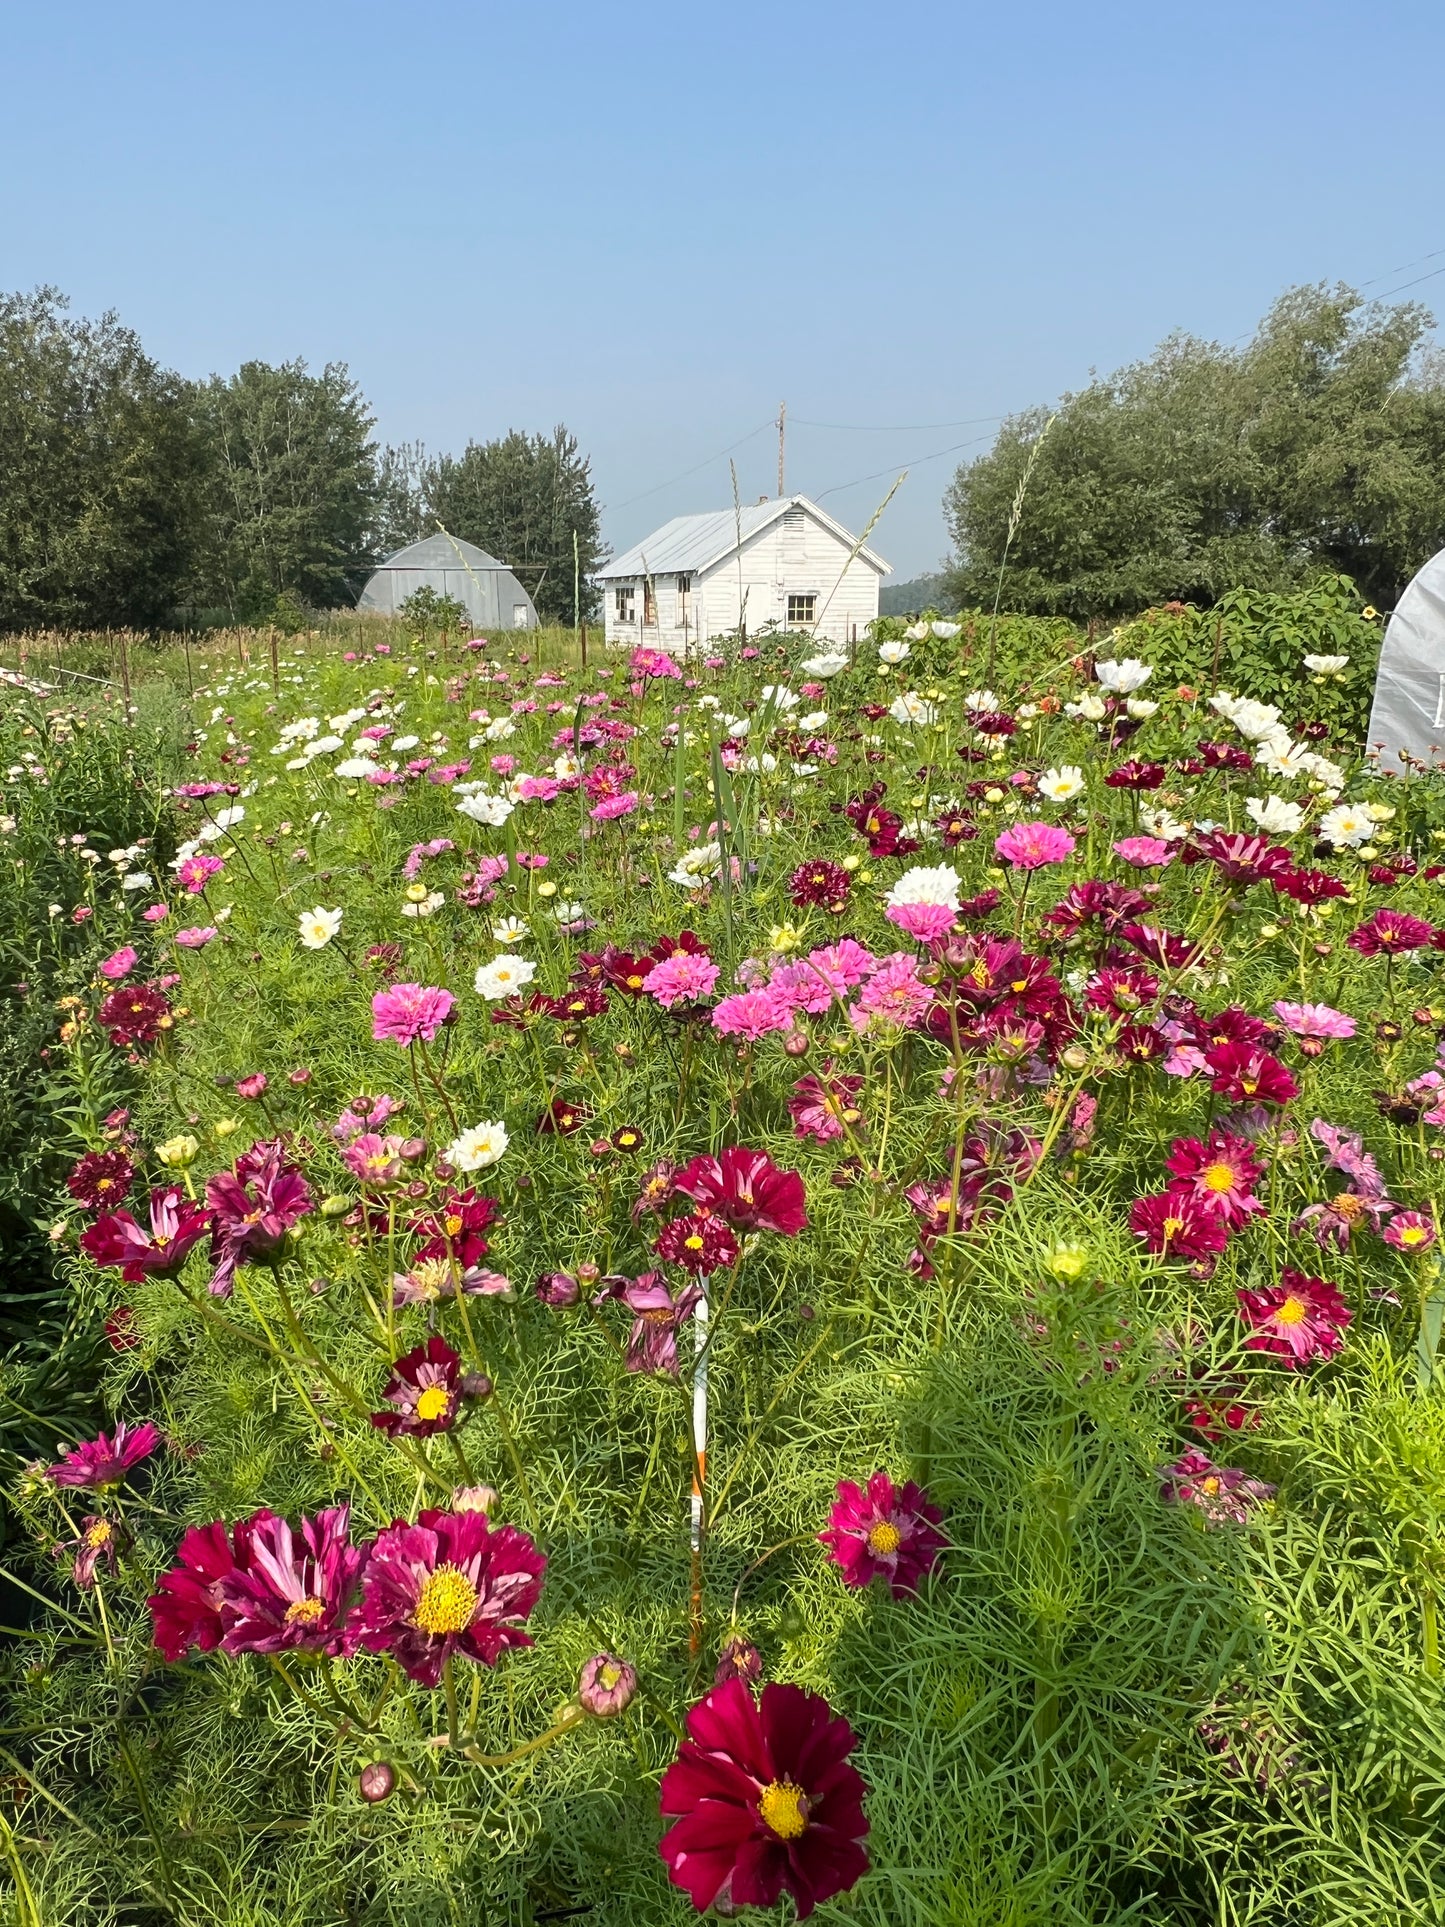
(177, 1153)
(739, 1659)
(796, 1043)
(413, 1150)
(607, 1685)
(476, 1385)
(475, 1498)
(301, 1075)
(558, 1289)
(335, 1205)
(377, 1782)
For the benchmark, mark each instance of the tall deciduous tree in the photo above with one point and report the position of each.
(293, 487)
(522, 498)
(99, 461)
(1320, 445)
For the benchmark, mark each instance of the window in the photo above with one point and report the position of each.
(684, 601)
(649, 605)
(802, 611)
(626, 605)
(520, 617)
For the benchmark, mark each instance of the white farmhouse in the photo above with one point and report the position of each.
(794, 568)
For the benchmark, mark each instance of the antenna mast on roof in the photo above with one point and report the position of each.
(782, 438)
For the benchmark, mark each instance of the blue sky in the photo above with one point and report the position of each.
(653, 222)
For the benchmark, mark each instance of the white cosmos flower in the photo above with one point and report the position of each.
(1141, 709)
(782, 699)
(1251, 719)
(815, 719)
(823, 668)
(318, 927)
(569, 912)
(301, 731)
(406, 742)
(1161, 824)
(894, 652)
(695, 867)
(939, 885)
(911, 710)
(355, 767)
(509, 930)
(945, 631)
(980, 699)
(503, 976)
(499, 729)
(224, 819)
(1346, 825)
(477, 1147)
(916, 631)
(763, 765)
(426, 906)
(324, 746)
(1061, 785)
(492, 811)
(1327, 665)
(1123, 678)
(1089, 708)
(1275, 815)
(1281, 757)
(1327, 774)
(137, 880)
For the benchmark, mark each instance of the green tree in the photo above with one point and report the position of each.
(99, 461)
(522, 498)
(293, 488)
(1317, 446)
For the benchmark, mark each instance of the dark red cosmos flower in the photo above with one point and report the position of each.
(1223, 1493)
(822, 885)
(1232, 1025)
(253, 1208)
(186, 1605)
(1107, 904)
(295, 1589)
(1136, 776)
(102, 1462)
(975, 909)
(1390, 933)
(101, 1179)
(177, 1225)
(888, 1530)
(1141, 1043)
(563, 1118)
(1248, 1075)
(449, 1584)
(955, 828)
(1239, 858)
(424, 1391)
(1174, 1224)
(993, 722)
(623, 971)
(699, 1243)
(1162, 947)
(1308, 886)
(120, 1329)
(654, 1188)
(747, 1189)
(1220, 1173)
(135, 1015)
(1121, 992)
(879, 827)
(766, 1800)
(1225, 756)
(587, 1000)
(686, 940)
(1299, 1320)
(453, 1229)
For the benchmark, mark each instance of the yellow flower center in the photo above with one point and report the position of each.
(304, 1612)
(884, 1537)
(1172, 1226)
(627, 1139)
(634, 982)
(452, 1224)
(1291, 1312)
(693, 1243)
(981, 974)
(608, 1676)
(1217, 1177)
(100, 1534)
(433, 1402)
(1413, 1234)
(784, 1808)
(447, 1602)
(1209, 1485)
(1250, 1085)
(1349, 1207)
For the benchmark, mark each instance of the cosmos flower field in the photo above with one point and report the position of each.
(787, 1284)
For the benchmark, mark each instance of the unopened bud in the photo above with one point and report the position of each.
(377, 1782)
(476, 1385)
(796, 1043)
(607, 1686)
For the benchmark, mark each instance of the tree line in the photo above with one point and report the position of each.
(1316, 447)
(133, 497)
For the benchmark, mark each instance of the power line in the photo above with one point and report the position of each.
(771, 422)
(898, 428)
(916, 462)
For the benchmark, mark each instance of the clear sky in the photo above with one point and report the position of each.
(653, 222)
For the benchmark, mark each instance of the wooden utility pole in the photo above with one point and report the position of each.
(782, 441)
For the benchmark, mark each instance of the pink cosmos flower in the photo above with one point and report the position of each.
(375, 1162)
(894, 991)
(1145, 852)
(119, 964)
(449, 1584)
(750, 1014)
(196, 938)
(1223, 1493)
(1220, 1173)
(196, 872)
(927, 922)
(614, 806)
(1298, 1320)
(888, 1530)
(1031, 846)
(102, 1462)
(155, 913)
(821, 1107)
(407, 1012)
(1410, 1231)
(683, 978)
(1315, 1020)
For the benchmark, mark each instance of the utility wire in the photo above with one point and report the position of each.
(917, 462)
(899, 428)
(771, 422)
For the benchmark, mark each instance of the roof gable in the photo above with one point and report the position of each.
(691, 544)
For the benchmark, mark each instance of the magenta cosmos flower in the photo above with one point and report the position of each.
(683, 978)
(100, 1178)
(449, 1584)
(102, 1462)
(657, 1318)
(253, 1207)
(1221, 1173)
(407, 1012)
(747, 1189)
(186, 1606)
(295, 1589)
(700, 1243)
(751, 1014)
(1298, 1320)
(1390, 933)
(766, 1801)
(1248, 1075)
(1177, 1224)
(177, 1225)
(1223, 1493)
(424, 1391)
(888, 1530)
(1410, 1231)
(1031, 846)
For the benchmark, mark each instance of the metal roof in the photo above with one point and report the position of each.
(690, 543)
(442, 552)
